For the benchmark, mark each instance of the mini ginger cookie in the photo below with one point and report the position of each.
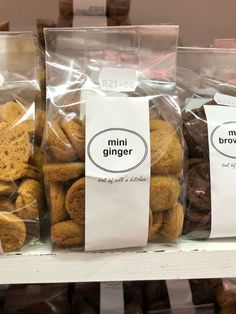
(8, 188)
(166, 153)
(67, 233)
(57, 201)
(7, 205)
(172, 223)
(63, 172)
(155, 222)
(164, 192)
(75, 201)
(32, 173)
(58, 144)
(12, 232)
(11, 112)
(75, 131)
(14, 152)
(29, 200)
(161, 126)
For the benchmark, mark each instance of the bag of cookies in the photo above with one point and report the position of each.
(21, 125)
(209, 130)
(113, 138)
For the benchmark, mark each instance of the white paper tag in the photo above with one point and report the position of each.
(111, 298)
(195, 103)
(90, 7)
(117, 172)
(221, 123)
(89, 21)
(118, 79)
(180, 296)
(226, 100)
(1, 79)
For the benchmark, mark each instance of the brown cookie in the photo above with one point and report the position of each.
(166, 153)
(6, 205)
(67, 233)
(63, 172)
(57, 201)
(75, 131)
(7, 188)
(172, 223)
(161, 126)
(11, 112)
(12, 232)
(29, 201)
(58, 144)
(32, 173)
(155, 222)
(14, 152)
(75, 201)
(164, 194)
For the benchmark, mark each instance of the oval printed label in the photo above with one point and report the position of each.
(117, 150)
(223, 139)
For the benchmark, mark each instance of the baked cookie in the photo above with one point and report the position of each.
(14, 152)
(11, 112)
(75, 131)
(7, 205)
(164, 192)
(57, 200)
(75, 201)
(32, 172)
(155, 222)
(29, 201)
(63, 172)
(172, 223)
(161, 126)
(58, 144)
(7, 188)
(67, 233)
(12, 232)
(166, 153)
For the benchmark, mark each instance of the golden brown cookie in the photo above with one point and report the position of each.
(32, 173)
(63, 172)
(161, 126)
(8, 188)
(57, 201)
(29, 201)
(155, 222)
(58, 144)
(14, 152)
(172, 223)
(75, 131)
(164, 194)
(75, 201)
(6, 205)
(67, 233)
(166, 153)
(12, 112)
(12, 232)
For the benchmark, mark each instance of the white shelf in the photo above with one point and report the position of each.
(187, 259)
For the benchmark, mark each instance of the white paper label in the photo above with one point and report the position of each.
(118, 79)
(195, 103)
(89, 21)
(1, 80)
(117, 172)
(90, 7)
(111, 298)
(225, 100)
(180, 296)
(222, 148)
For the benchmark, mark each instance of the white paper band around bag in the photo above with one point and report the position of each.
(90, 7)
(180, 296)
(221, 123)
(117, 172)
(111, 298)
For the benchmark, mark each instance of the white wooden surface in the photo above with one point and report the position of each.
(212, 259)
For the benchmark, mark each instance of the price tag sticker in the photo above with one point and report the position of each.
(118, 79)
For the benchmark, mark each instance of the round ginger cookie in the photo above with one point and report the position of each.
(172, 223)
(12, 232)
(67, 233)
(15, 149)
(7, 188)
(155, 222)
(161, 126)
(7, 205)
(164, 192)
(61, 172)
(166, 153)
(75, 132)
(75, 201)
(11, 112)
(58, 144)
(29, 200)
(57, 201)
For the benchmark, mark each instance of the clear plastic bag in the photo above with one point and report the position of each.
(21, 124)
(75, 60)
(207, 76)
(226, 296)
